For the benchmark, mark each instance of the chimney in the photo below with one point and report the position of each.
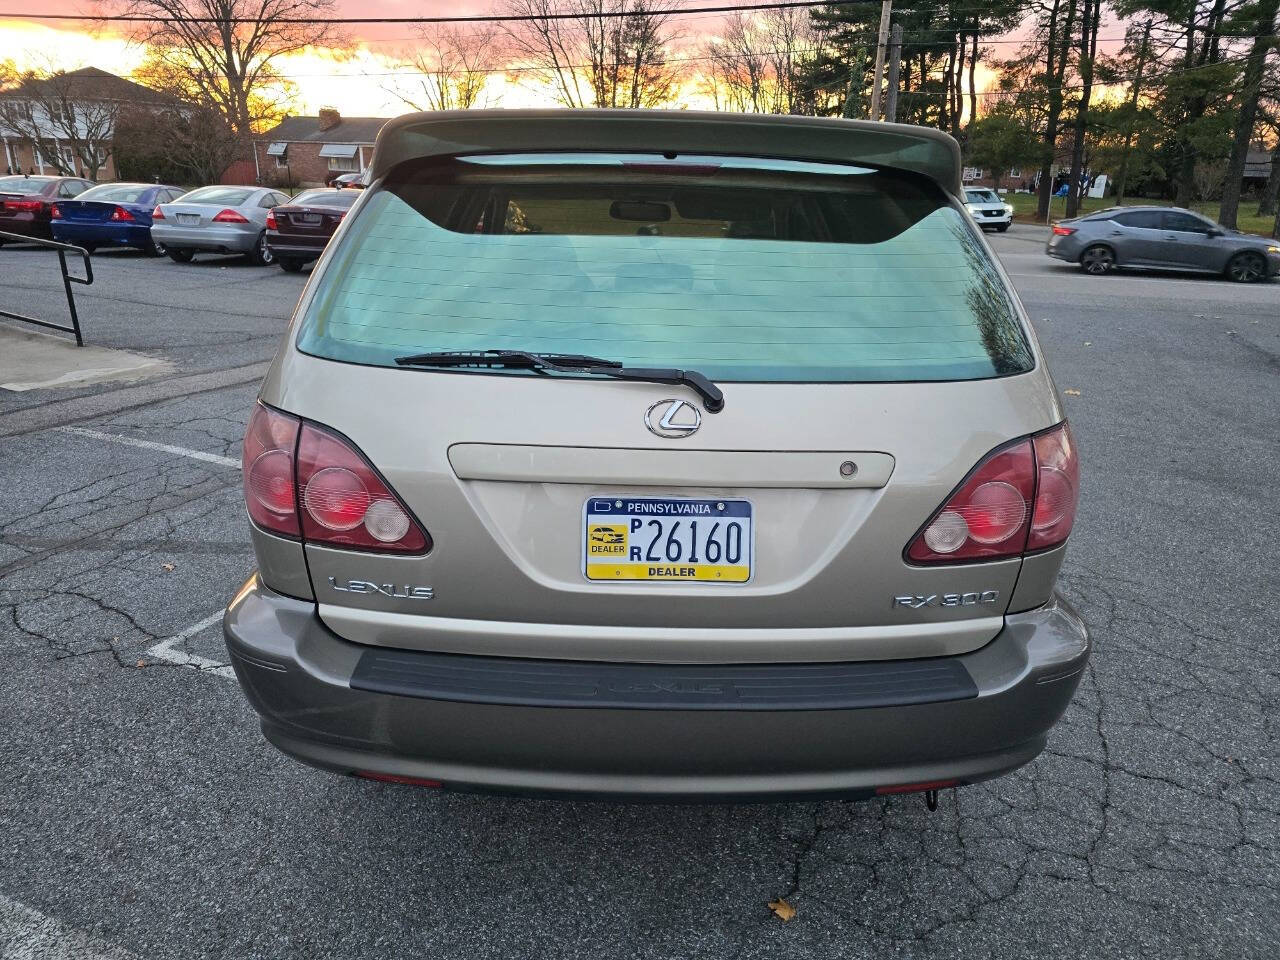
(329, 118)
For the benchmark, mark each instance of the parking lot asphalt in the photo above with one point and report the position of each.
(142, 815)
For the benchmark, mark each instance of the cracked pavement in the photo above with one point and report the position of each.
(142, 809)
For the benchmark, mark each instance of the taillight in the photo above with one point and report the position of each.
(1063, 231)
(157, 214)
(56, 212)
(304, 480)
(267, 458)
(121, 215)
(1021, 497)
(229, 216)
(1057, 488)
(24, 206)
(344, 502)
(271, 221)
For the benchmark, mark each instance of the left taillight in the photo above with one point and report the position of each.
(1020, 498)
(271, 221)
(301, 480)
(157, 214)
(345, 503)
(269, 446)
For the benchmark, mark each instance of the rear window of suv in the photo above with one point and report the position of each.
(743, 269)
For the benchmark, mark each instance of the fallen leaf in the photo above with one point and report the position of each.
(1072, 393)
(141, 664)
(785, 911)
(168, 568)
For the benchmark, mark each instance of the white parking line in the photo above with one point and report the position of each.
(165, 650)
(153, 445)
(27, 934)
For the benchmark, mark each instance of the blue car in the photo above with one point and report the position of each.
(112, 215)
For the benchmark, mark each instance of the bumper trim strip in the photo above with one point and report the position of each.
(638, 686)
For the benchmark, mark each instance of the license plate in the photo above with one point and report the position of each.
(189, 219)
(308, 219)
(659, 539)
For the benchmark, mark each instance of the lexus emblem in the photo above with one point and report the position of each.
(672, 418)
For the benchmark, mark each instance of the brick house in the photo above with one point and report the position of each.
(307, 151)
(86, 102)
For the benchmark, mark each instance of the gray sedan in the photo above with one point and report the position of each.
(222, 219)
(1162, 238)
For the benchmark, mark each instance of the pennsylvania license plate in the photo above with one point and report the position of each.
(667, 538)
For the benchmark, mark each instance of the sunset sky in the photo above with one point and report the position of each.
(357, 82)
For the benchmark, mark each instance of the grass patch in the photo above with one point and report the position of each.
(1024, 209)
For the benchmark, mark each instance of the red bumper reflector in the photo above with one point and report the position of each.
(917, 787)
(395, 778)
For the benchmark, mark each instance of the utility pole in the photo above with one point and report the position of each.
(886, 8)
(895, 64)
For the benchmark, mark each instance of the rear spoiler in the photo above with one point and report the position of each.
(921, 150)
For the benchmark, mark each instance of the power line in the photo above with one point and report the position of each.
(476, 18)
(485, 17)
(1176, 71)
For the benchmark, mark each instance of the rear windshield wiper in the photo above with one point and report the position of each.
(712, 397)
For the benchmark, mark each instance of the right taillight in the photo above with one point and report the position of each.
(1020, 498)
(1063, 231)
(1057, 488)
(302, 480)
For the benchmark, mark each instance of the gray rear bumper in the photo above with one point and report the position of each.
(235, 238)
(298, 676)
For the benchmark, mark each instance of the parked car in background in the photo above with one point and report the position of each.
(112, 215)
(26, 203)
(298, 231)
(697, 455)
(348, 180)
(1162, 238)
(988, 209)
(217, 220)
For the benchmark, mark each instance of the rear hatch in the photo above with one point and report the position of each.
(868, 351)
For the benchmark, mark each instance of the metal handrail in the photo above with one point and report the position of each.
(67, 280)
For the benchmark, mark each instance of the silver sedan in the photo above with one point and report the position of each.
(221, 219)
(1162, 238)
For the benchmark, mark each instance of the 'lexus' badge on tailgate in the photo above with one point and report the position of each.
(672, 418)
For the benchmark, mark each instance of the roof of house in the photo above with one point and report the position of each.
(307, 130)
(90, 83)
(1257, 163)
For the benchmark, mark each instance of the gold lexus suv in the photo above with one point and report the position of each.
(654, 454)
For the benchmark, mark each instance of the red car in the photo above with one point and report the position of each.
(26, 203)
(298, 231)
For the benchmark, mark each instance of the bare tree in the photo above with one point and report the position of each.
(755, 63)
(228, 63)
(453, 63)
(55, 111)
(610, 53)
